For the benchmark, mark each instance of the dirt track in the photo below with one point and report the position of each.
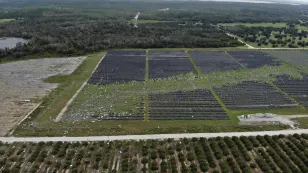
(22, 86)
(153, 136)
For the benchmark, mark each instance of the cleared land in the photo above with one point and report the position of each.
(222, 154)
(275, 25)
(6, 20)
(22, 86)
(171, 104)
(147, 21)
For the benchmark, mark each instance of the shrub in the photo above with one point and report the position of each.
(144, 161)
(190, 156)
(164, 166)
(193, 168)
(153, 155)
(154, 166)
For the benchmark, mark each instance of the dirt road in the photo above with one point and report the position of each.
(145, 137)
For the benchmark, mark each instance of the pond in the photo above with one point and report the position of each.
(10, 42)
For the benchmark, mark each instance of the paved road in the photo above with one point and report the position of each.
(144, 137)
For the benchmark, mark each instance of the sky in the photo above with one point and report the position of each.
(268, 1)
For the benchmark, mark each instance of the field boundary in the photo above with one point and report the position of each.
(29, 113)
(193, 63)
(146, 81)
(235, 59)
(153, 136)
(68, 103)
(220, 102)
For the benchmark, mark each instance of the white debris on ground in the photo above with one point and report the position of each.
(22, 86)
(269, 119)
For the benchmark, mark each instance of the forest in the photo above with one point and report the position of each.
(78, 27)
(289, 36)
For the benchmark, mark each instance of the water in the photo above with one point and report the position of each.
(10, 42)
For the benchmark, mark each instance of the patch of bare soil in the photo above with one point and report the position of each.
(22, 85)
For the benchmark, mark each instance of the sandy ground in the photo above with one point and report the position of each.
(22, 80)
(277, 119)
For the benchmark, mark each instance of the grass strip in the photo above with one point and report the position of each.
(146, 100)
(193, 63)
(235, 59)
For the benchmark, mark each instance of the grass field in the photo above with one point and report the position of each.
(275, 25)
(147, 21)
(302, 28)
(135, 91)
(303, 122)
(6, 20)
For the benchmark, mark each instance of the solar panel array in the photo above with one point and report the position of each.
(252, 95)
(188, 105)
(254, 59)
(296, 58)
(296, 88)
(120, 67)
(212, 61)
(126, 66)
(164, 64)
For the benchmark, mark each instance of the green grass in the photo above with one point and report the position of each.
(303, 122)
(194, 64)
(146, 80)
(302, 28)
(147, 21)
(137, 127)
(6, 20)
(275, 25)
(121, 99)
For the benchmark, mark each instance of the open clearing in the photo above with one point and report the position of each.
(275, 25)
(146, 92)
(167, 91)
(22, 86)
(6, 20)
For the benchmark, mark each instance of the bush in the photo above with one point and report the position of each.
(154, 166)
(164, 166)
(144, 161)
(153, 155)
(253, 165)
(193, 168)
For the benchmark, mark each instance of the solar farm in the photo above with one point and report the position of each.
(140, 85)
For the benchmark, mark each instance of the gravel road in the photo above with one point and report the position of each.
(145, 137)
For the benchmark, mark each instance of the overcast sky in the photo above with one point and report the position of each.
(268, 1)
